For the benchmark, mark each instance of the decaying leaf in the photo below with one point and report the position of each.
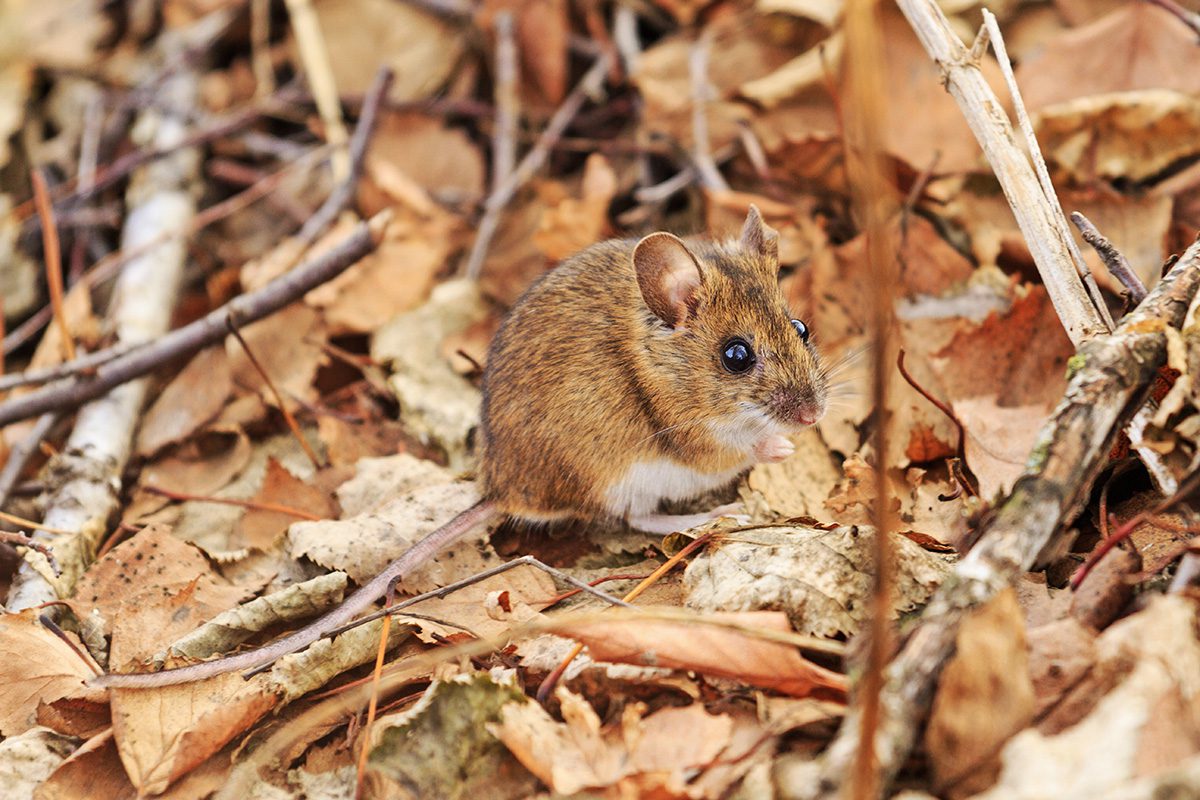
(38, 668)
(820, 578)
(444, 746)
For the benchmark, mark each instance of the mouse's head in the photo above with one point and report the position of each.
(721, 334)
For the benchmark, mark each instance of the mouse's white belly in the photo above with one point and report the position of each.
(646, 483)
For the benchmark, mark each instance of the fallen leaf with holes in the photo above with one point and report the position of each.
(723, 652)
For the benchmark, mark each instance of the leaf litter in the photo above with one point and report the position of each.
(1051, 693)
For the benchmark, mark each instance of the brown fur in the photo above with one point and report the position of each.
(583, 379)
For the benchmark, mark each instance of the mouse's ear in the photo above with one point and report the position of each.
(758, 237)
(668, 275)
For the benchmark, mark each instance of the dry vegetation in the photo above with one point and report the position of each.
(359, 189)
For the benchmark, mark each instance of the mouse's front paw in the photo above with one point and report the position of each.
(773, 449)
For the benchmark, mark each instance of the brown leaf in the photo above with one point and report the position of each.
(716, 651)
(1138, 46)
(659, 752)
(92, 771)
(1060, 654)
(573, 224)
(983, 698)
(38, 667)
(261, 528)
(287, 345)
(149, 590)
(194, 397)
(164, 733)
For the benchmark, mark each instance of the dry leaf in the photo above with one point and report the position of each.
(654, 756)
(1138, 46)
(361, 546)
(711, 650)
(574, 224)
(261, 528)
(38, 668)
(287, 345)
(984, 696)
(193, 398)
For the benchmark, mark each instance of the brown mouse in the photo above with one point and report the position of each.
(637, 371)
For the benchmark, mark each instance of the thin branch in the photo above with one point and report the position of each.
(589, 85)
(1039, 167)
(205, 331)
(254, 505)
(20, 453)
(504, 134)
(314, 55)
(1116, 263)
(21, 540)
(706, 169)
(344, 193)
(53, 256)
(283, 409)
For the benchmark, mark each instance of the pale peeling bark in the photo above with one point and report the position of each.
(1111, 376)
(85, 480)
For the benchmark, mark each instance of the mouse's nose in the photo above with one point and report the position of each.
(795, 406)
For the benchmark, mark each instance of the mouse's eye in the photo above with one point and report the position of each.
(737, 356)
(801, 329)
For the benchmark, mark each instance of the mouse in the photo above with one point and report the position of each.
(635, 372)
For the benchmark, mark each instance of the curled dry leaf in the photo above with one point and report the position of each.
(376, 481)
(710, 649)
(658, 755)
(821, 579)
(260, 527)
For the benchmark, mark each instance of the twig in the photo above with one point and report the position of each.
(256, 505)
(1111, 383)
(1126, 530)
(283, 409)
(706, 169)
(50, 625)
(53, 253)
(206, 331)
(315, 57)
(588, 85)
(19, 454)
(1039, 166)
(1118, 266)
(1048, 243)
(504, 134)
(108, 267)
(960, 446)
(1189, 18)
(21, 540)
(13, 519)
(344, 193)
